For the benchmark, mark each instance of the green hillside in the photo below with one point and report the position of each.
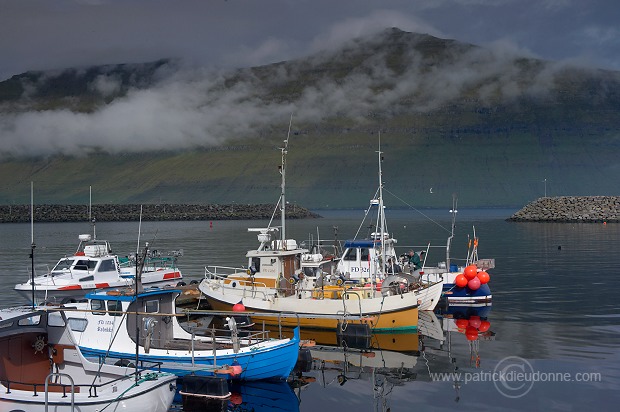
(452, 117)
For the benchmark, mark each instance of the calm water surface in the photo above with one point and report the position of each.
(555, 317)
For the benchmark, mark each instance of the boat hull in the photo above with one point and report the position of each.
(39, 364)
(58, 293)
(383, 313)
(465, 296)
(403, 319)
(151, 396)
(456, 295)
(274, 363)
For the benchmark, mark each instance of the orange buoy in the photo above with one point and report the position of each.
(483, 277)
(460, 281)
(238, 307)
(470, 272)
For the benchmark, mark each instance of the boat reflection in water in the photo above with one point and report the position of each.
(472, 321)
(372, 365)
(375, 365)
(256, 396)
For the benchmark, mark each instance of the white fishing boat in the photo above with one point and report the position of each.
(41, 369)
(283, 277)
(92, 267)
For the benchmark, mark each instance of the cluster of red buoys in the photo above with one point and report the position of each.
(472, 278)
(472, 326)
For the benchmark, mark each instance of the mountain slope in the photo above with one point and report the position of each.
(484, 124)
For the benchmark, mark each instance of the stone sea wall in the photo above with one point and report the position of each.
(570, 209)
(161, 212)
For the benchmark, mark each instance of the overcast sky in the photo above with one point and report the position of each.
(49, 34)
(193, 108)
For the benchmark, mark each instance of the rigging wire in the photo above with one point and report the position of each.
(419, 211)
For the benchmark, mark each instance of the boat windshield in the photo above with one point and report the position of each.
(85, 264)
(62, 265)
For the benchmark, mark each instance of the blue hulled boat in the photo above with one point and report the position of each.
(108, 324)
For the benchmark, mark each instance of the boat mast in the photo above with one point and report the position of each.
(381, 211)
(283, 186)
(90, 211)
(449, 243)
(32, 245)
(138, 289)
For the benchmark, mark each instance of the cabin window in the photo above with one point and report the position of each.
(350, 254)
(85, 264)
(365, 254)
(77, 325)
(87, 278)
(107, 265)
(63, 264)
(255, 265)
(97, 305)
(31, 320)
(55, 319)
(6, 325)
(151, 306)
(115, 306)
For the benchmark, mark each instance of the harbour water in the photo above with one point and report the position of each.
(553, 336)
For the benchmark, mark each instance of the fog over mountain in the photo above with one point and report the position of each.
(427, 95)
(187, 108)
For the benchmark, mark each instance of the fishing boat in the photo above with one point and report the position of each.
(92, 267)
(362, 262)
(104, 327)
(466, 283)
(282, 277)
(42, 369)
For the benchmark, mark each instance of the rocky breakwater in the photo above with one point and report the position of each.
(159, 212)
(570, 209)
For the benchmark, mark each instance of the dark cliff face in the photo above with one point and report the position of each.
(75, 88)
(592, 209)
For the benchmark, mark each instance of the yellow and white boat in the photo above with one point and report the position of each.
(285, 278)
